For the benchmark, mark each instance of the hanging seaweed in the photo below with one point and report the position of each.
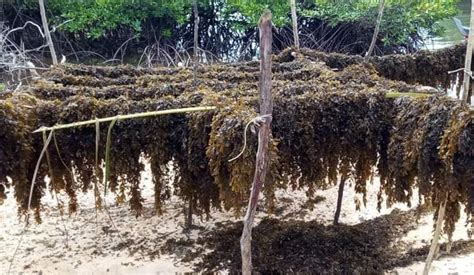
(435, 64)
(326, 125)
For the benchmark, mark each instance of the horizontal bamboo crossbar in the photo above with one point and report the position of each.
(183, 110)
(123, 117)
(397, 94)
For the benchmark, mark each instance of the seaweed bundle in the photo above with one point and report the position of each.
(424, 67)
(326, 124)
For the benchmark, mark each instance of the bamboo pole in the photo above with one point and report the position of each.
(467, 63)
(123, 117)
(261, 162)
(415, 95)
(377, 28)
(47, 33)
(295, 24)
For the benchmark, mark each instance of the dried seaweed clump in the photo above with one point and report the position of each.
(424, 67)
(336, 134)
(426, 150)
(17, 150)
(226, 142)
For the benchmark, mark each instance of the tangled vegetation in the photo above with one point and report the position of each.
(227, 27)
(326, 124)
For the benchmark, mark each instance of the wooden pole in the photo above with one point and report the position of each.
(261, 163)
(377, 28)
(47, 33)
(340, 194)
(188, 213)
(434, 243)
(471, 205)
(295, 24)
(467, 63)
(196, 40)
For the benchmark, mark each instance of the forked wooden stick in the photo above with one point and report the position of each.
(262, 159)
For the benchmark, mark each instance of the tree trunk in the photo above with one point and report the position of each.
(261, 163)
(295, 24)
(47, 33)
(467, 63)
(340, 194)
(377, 28)
(196, 40)
(437, 234)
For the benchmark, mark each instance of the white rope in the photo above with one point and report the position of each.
(258, 120)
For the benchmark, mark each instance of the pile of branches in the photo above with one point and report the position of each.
(326, 124)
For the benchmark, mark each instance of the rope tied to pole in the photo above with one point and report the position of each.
(257, 121)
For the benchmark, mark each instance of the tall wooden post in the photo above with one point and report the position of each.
(295, 24)
(467, 63)
(261, 163)
(196, 41)
(47, 33)
(377, 28)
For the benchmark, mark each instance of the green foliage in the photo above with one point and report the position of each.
(95, 19)
(249, 11)
(98, 17)
(2, 87)
(401, 18)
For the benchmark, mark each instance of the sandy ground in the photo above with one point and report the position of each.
(93, 245)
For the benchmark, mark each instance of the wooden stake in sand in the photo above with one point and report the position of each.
(340, 194)
(434, 244)
(261, 163)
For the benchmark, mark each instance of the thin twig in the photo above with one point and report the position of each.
(33, 181)
(107, 172)
(53, 184)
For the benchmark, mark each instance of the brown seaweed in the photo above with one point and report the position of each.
(326, 124)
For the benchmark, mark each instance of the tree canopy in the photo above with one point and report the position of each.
(225, 22)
